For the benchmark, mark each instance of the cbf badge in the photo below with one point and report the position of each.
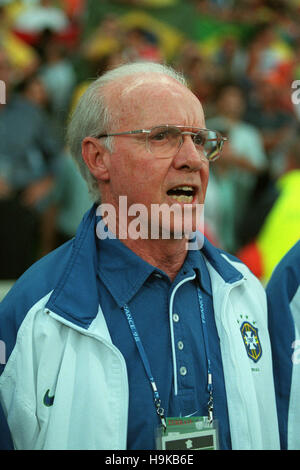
(251, 341)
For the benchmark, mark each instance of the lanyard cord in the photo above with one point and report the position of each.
(157, 402)
(210, 404)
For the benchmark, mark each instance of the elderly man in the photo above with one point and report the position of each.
(113, 334)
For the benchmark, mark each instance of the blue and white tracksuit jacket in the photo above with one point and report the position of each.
(64, 384)
(283, 292)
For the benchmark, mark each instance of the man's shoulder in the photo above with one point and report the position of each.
(239, 266)
(232, 270)
(40, 279)
(230, 257)
(34, 285)
(223, 259)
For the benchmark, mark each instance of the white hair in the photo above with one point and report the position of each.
(93, 117)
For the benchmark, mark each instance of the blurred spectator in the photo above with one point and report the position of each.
(29, 158)
(34, 21)
(280, 228)
(104, 41)
(203, 75)
(141, 44)
(35, 18)
(58, 76)
(166, 38)
(275, 123)
(243, 159)
(72, 199)
(266, 51)
(74, 8)
(283, 77)
(232, 59)
(22, 56)
(33, 89)
(214, 210)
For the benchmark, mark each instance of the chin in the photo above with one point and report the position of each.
(180, 220)
(182, 228)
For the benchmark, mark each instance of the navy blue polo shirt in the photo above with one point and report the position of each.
(167, 318)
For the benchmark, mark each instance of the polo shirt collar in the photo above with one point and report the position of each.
(121, 270)
(195, 260)
(124, 273)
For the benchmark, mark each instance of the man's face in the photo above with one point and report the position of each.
(134, 172)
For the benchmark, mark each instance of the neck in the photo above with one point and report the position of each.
(167, 255)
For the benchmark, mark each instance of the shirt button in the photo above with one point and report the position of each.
(158, 275)
(183, 370)
(180, 345)
(175, 317)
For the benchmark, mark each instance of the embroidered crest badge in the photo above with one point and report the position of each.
(251, 341)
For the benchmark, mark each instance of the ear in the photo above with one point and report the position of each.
(94, 155)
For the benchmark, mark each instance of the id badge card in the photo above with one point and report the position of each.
(194, 433)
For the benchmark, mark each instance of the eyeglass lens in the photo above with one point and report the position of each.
(163, 140)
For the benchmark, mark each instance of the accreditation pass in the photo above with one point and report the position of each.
(194, 433)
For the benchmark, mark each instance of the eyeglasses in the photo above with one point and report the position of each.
(165, 141)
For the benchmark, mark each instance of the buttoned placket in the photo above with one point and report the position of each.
(179, 365)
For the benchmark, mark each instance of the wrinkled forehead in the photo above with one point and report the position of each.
(144, 98)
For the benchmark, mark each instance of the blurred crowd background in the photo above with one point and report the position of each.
(241, 58)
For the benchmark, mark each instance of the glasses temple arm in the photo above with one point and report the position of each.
(139, 131)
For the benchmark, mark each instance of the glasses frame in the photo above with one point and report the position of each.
(182, 133)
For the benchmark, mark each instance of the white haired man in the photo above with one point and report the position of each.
(110, 336)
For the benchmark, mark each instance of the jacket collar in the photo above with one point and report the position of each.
(76, 298)
(219, 260)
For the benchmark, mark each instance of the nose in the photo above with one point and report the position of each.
(188, 156)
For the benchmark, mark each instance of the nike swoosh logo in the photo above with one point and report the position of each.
(48, 401)
(192, 414)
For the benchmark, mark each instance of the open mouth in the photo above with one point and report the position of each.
(183, 194)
